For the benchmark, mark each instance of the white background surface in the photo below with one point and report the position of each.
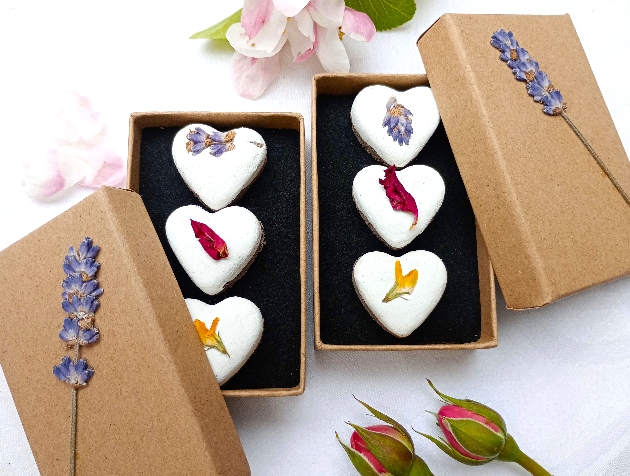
(560, 376)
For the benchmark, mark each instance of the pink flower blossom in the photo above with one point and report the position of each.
(310, 27)
(77, 152)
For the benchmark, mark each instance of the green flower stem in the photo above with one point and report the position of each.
(511, 452)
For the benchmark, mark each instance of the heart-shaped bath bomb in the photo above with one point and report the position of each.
(393, 227)
(375, 280)
(236, 226)
(240, 327)
(394, 126)
(218, 166)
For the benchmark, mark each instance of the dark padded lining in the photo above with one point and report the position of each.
(345, 237)
(273, 280)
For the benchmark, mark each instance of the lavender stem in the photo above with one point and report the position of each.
(597, 159)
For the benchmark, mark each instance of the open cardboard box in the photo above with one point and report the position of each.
(475, 326)
(276, 280)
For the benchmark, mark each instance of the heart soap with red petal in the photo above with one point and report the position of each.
(214, 249)
(218, 166)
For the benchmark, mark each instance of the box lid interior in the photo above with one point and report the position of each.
(553, 222)
(153, 405)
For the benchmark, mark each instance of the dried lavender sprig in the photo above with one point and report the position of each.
(539, 86)
(80, 291)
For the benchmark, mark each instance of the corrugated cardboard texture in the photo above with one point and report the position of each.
(553, 222)
(283, 345)
(344, 86)
(153, 406)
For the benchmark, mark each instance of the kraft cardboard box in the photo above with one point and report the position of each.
(553, 222)
(153, 405)
(465, 318)
(276, 280)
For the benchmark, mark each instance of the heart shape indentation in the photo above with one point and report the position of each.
(218, 167)
(374, 278)
(393, 227)
(238, 227)
(383, 126)
(239, 328)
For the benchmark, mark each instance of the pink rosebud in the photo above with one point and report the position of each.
(476, 434)
(212, 243)
(383, 449)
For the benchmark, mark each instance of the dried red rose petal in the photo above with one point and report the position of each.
(399, 198)
(212, 243)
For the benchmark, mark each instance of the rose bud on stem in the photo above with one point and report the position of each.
(476, 434)
(383, 450)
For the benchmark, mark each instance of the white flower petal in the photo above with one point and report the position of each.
(251, 76)
(300, 44)
(327, 13)
(240, 42)
(330, 51)
(256, 14)
(305, 24)
(290, 8)
(74, 119)
(42, 177)
(358, 25)
(103, 166)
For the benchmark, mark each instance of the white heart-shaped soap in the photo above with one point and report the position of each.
(394, 226)
(240, 328)
(237, 226)
(218, 170)
(374, 276)
(368, 114)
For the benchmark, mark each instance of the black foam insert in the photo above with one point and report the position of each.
(273, 280)
(345, 237)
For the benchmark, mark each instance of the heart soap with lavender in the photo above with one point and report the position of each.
(218, 166)
(394, 126)
(399, 293)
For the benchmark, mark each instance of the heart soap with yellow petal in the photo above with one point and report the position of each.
(399, 293)
(230, 332)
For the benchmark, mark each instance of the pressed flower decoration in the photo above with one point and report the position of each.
(212, 243)
(80, 293)
(403, 284)
(540, 87)
(210, 338)
(398, 197)
(398, 122)
(216, 142)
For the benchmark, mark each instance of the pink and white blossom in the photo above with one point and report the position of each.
(310, 27)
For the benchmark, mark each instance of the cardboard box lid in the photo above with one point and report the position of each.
(153, 405)
(553, 222)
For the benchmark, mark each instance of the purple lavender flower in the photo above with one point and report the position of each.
(505, 42)
(82, 309)
(74, 285)
(86, 268)
(398, 122)
(540, 87)
(74, 374)
(72, 334)
(526, 69)
(217, 142)
(554, 103)
(86, 250)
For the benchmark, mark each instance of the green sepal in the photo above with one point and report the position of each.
(393, 454)
(452, 452)
(476, 438)
(361, 464)
(475, 407)
(511, 451)
(386, 14)
(419, 468)
(217, 32)
(391, 421)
